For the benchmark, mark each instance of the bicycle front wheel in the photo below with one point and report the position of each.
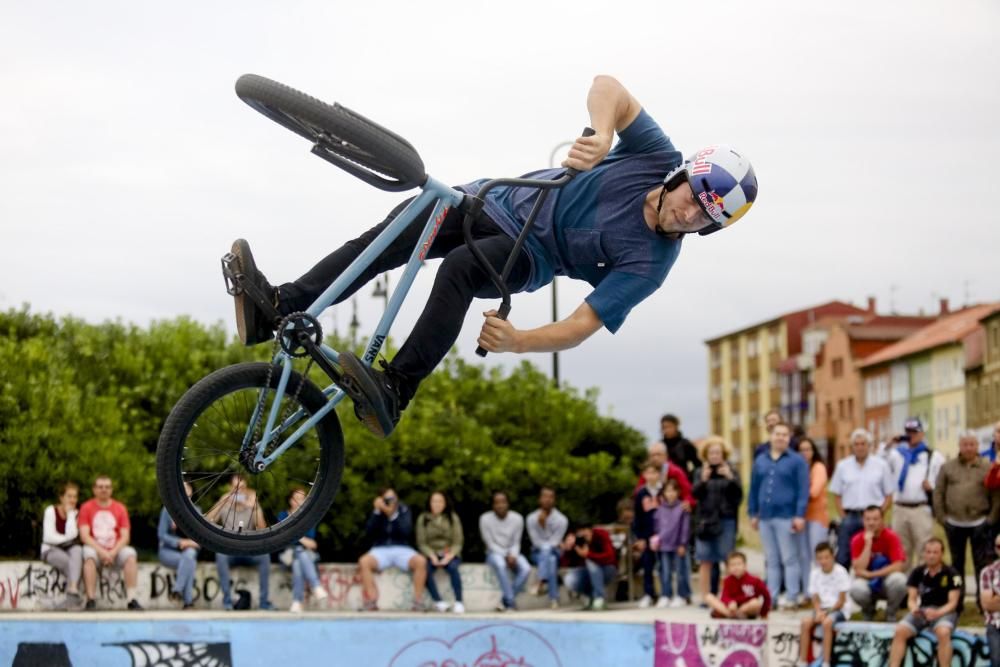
(209, 491)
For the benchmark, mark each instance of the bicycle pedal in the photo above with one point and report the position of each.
(231, 276)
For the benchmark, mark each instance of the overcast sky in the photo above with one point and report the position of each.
(128, 165)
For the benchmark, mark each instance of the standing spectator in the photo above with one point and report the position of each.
(771, 417)
(302, 557)
(817, 518)
(779, 493)
(590, 555)
(992, 453)
(859, 481)
(646, 501)
(390, 528)
(719, 493)
(962, 505)
(440, 539)
(878, 558)
(105, 531)
(829, 584)
(501, 530)
(915, 468)
(179, 553)
(743, 596)
(680, 451)
(989, 600)
(935, 601)
(546, 530)
(671, 533)
(238, 507)
(61, 541)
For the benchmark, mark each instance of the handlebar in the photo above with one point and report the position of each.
(500, 279)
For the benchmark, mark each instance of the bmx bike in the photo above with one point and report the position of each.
(248, 435)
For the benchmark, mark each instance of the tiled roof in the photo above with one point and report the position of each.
(951, 328)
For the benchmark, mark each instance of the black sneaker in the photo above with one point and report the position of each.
(133, 605)
(252, 322)
(375, 394)
(90, 606)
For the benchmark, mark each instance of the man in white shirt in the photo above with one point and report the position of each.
(501, 531)
(546, 529)
(859, 481)
(915, 468)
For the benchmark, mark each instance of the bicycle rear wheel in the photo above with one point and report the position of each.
(201, 444)
(341, 136)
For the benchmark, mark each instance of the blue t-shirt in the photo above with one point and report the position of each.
(593, 228)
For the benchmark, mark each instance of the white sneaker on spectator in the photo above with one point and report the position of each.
(677, 602)
(645, 602)
(598, 604)
(319, 593)
(296, 607)
(553, 604)
(441, 606)
(663, 602)
(458, 608)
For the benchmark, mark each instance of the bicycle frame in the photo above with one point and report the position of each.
(443, 197)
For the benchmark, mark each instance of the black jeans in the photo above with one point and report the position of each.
(459, 279)
(980, 538)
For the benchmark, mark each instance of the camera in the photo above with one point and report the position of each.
(388, 499)
(905, 437)
(582, 541)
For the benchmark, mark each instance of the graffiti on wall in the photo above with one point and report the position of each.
(142, 653)
(710, 645)
(868, 644)
(484, 646)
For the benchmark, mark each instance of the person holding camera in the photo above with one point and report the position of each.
(239, 507)
(719, 493)
(915, 467)
(61, 542)
(590, 555)
(501, 530)
(390, 527)
(440, 539)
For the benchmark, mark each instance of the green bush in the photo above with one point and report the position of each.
(78, 399)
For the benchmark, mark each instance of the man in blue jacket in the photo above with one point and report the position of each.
(779, 492)
(390, 528)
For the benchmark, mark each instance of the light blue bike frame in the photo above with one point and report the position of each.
(444, 198)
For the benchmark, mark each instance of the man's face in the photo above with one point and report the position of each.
(996, 432)
(916, 437)
(932, 554)
(500, 505)
(547, 499)
(102, 489)
(736, 567)
(770, 420)
(872, 521)
(968, 449)
(780, 435)
(585, 533)
(668, 428)
(860, 448)
(658, 453)
(681, 212)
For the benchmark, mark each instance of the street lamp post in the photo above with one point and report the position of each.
(555, 303)
(382, 290)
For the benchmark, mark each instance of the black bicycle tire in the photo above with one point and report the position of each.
(381, 150)
(171, 444)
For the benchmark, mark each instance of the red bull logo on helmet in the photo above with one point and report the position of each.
(712, 204)
(701, 166)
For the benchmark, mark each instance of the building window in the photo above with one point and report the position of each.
(716, 393)
(838, 367)
(840, 408)
(829, 410)
(921, 379)
(773, 342)
(715, 357)
(850, 408)
(736, 386)
(774, 379)
(752, 348)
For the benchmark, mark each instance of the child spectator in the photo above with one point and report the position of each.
(744, 596)
(646, 501)
(440, 540)
(671, 532)
(301, 557)
(178, 553)
(829, 583)
(61, 542)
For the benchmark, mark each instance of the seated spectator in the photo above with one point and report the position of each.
(989, 600)
(178, 553)
(440, 540)
(546, 530)
(646, 501)
(238, 507)
(743, 596)
(302, 557)
(590, 555)
(671, 532)
(878, 558)
(718, 491)
(105, 531)
(61, 542)
(828, 584)
(390, 528)
(501, 530)
(935, 601)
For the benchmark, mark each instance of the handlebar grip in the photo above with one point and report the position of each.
(587, 132)
(502, 314)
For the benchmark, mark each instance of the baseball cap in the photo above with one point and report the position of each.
(913, 424)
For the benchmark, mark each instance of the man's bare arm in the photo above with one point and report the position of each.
(611, 108)
(500, 335)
